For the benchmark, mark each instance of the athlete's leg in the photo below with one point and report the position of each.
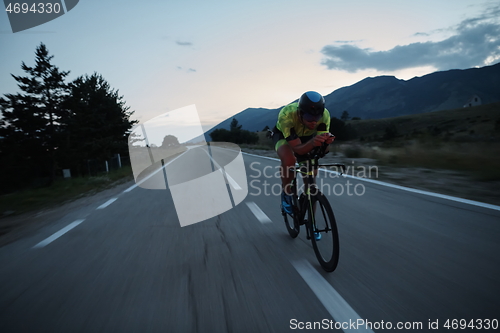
(288, 160)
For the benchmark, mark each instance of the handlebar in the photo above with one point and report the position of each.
(319, 151)
(305, 168)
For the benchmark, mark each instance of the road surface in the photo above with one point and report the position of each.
(125, 264)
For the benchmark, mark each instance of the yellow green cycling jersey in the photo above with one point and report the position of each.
(289, 118)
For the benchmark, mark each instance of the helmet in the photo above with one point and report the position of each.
(311, 105)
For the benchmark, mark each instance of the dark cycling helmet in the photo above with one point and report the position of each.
(311, 105)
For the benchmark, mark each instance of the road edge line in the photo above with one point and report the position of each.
(404, 188)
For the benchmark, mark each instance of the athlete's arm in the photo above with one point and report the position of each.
(303, 148)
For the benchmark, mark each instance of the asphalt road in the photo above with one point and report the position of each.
(126, 265)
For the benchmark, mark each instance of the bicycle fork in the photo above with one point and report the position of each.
(311, 215)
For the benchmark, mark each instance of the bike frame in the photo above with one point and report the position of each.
(308, 168)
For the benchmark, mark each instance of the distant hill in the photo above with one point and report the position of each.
(386, 96)
(252, 119)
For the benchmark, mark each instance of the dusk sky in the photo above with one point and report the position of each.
(226, 55)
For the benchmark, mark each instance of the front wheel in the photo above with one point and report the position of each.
(321, 219)
(292, 225)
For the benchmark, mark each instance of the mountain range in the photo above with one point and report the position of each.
(386, 96)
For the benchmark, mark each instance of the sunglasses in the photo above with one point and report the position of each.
(310, 118)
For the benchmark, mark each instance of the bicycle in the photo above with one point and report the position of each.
(327, 248)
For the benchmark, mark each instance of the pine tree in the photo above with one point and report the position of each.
(98, 121)
(234, 125)
(345, 116)
(31, 120)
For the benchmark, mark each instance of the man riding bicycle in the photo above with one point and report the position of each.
(296, 133)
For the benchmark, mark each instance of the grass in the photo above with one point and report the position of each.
(466, 140)
(481, 160)
(264, 143)
(61, 191)
(479, 123)
(257, 146)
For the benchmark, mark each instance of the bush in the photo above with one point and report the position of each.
(352, 152)
(391, 132)
(237, 136)
(342, 131)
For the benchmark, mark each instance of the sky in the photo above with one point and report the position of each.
(227, 55)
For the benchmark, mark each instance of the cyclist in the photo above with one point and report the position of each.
(296, 133)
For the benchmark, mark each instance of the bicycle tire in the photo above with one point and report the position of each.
(291, 223)
(326, 249)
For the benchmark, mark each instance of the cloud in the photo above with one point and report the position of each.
(476, 42)
(183, 43)
(189, 70)
(348, 41)
(425, 34)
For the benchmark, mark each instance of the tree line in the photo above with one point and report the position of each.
(53, 125)
(235, 134)
(338, 127)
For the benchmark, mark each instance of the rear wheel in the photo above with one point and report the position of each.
(320, 219)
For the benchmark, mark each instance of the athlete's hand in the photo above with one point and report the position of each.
(329, 138)
(318, 140)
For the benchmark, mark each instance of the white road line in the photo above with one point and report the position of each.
(130, 188)
(431, 194)
(233, 183)
(107, 203)
(230, 179)
(259, 214)
(266, 157)
(57, 234)
(409, 189)
(155, 172)
(338, 308)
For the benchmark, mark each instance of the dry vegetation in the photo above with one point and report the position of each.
(62, 191)
(465, 139)
(475, 124)
(480, 160)
(264, 142)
